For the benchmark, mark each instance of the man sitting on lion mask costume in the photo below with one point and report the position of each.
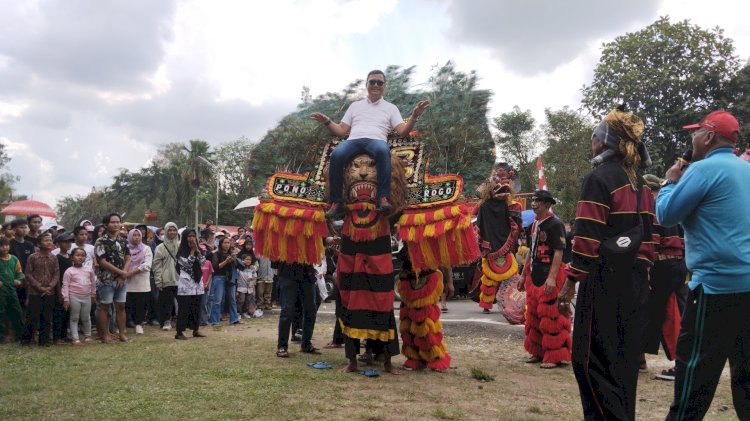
(366, 123)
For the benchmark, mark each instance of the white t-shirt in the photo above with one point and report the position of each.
(371, 120)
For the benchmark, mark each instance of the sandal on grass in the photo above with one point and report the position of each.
(370, 372)
(533, 360)
(548, 366)
(282, 353)
(321, 365)
(332, 345)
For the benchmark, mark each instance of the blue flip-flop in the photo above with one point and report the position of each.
(370, 372)
(321, 365)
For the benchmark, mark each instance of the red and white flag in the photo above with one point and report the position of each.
(540, 169)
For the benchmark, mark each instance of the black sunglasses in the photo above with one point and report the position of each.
(374, 82)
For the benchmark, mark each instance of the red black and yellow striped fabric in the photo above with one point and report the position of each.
(669, 241)
(366, 286)
(607, 207)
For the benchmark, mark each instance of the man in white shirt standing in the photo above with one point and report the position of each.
(366, 124)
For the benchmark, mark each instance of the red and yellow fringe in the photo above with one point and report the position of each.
(362, 334)
(376, 225)
(420, 327)
(289, 232)
(491, 279)
(440, 236)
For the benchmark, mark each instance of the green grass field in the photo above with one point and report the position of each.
(234, 374)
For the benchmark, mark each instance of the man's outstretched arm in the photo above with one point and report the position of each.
(337, 129)
(403, 129)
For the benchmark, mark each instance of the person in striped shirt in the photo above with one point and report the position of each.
(607, 334)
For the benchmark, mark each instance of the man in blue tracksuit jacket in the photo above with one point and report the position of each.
(710, 200)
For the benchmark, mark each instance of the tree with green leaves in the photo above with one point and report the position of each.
(567, 157)
(6, 179)
(739, 103)
(455, 127)
(670, 75)
(519, 144)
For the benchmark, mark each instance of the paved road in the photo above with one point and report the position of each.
(464, 317)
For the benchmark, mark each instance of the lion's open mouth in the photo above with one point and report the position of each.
(362, 191)
(501, 190)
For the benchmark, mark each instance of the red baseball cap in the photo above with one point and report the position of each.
(721, 122)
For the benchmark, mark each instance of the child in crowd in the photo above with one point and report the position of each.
(10, 278)
(248, 275)
(60, 315)
(79, 293)
(42, 277)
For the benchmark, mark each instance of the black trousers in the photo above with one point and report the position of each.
(166, 303)
(667, 277)
(291, 290)
(338, 334)
(607, 341)
(715, 328)
(60, 321)
(152, 302)
(136, 302)
(188, 312)
(298, 314)
(39, 318)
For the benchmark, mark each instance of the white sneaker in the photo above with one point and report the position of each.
(138, 330)
(167, 325)
(258, 313)
(247, 316)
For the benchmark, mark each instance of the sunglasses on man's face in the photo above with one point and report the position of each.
(374, 82)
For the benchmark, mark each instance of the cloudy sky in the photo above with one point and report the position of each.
(91, 86)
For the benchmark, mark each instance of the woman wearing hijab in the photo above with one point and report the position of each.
(190, 259)
(166, 273)
(613, 290)
(139, 283)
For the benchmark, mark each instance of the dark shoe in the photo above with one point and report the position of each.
(238, 322)
(296, 338)
(180, 336)
(197, 334)
(282, 353)
(310, 350)
(666, 375)
(384, 206)
(643, 368)
(336, 211)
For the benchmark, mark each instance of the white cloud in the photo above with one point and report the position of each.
(87, 88)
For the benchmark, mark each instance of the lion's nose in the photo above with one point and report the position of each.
(363, 176)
